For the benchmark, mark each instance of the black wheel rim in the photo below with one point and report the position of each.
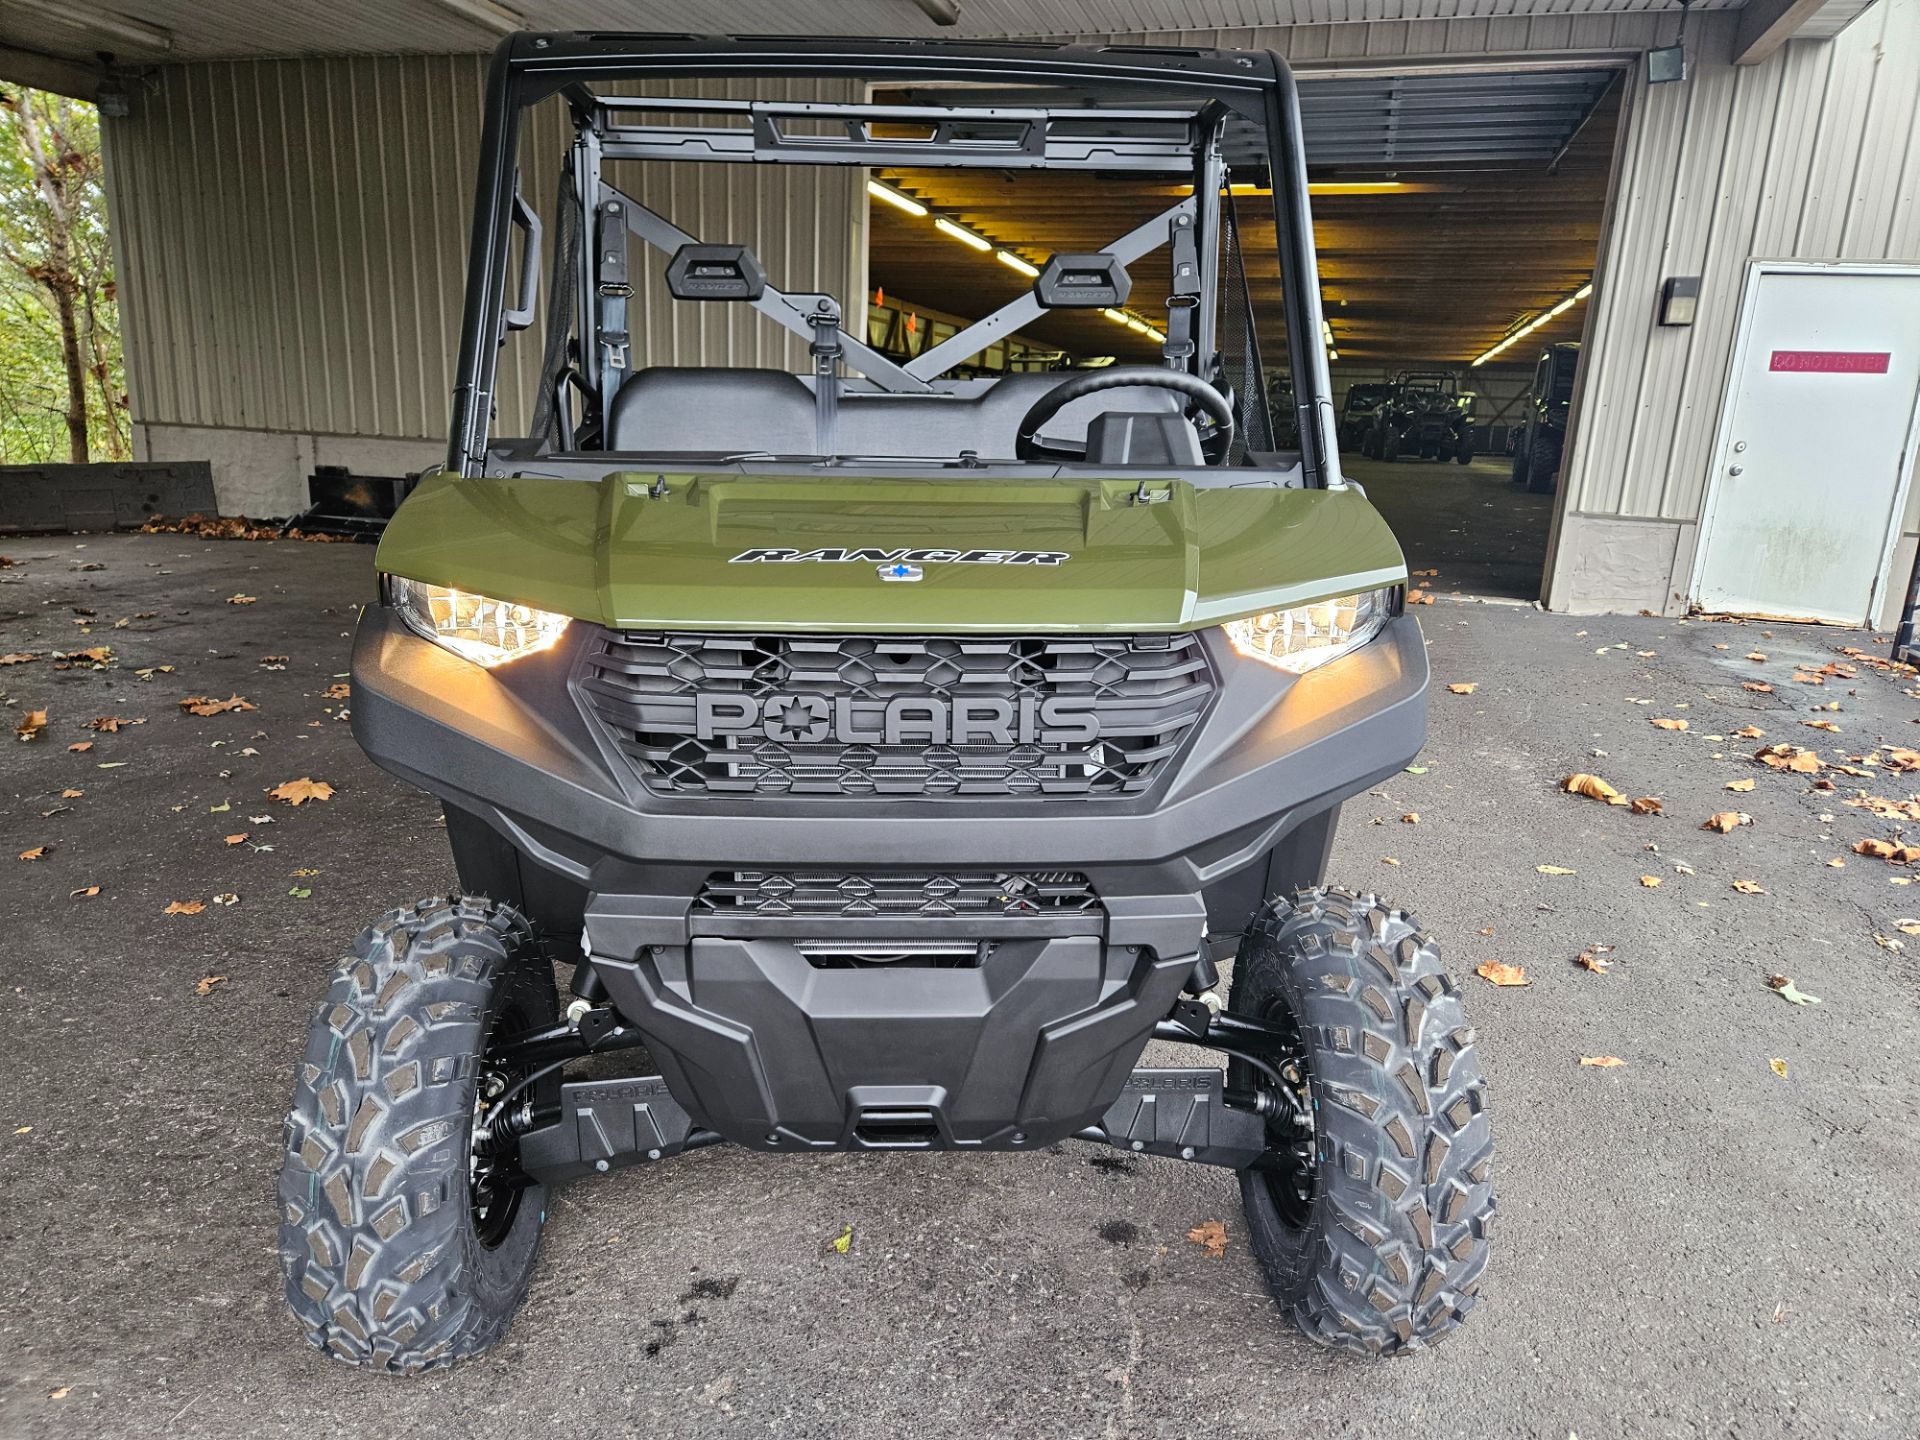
(495, 1180)
(1290, 1168)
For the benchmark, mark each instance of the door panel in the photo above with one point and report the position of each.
(1805, 484)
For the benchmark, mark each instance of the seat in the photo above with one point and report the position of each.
(728, 411)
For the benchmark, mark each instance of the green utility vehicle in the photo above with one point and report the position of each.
(882, 760)
(1359, 410)
(1542, 431)
(1423, 414)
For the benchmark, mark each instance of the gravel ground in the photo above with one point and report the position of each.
(1688, 1245)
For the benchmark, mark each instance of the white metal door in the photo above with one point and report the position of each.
(1815, 445)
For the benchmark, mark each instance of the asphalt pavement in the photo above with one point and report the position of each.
(1715, 1238)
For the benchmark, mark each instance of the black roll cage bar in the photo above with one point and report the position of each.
(1254, 87)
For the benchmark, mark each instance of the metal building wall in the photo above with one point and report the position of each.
(293, 241)
(1813, 154)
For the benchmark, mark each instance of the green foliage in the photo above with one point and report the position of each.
(55, 256)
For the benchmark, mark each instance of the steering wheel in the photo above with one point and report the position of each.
(1214, 420)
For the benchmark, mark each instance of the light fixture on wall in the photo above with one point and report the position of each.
(1679, 299)
(1544, 317)
(1669, 63)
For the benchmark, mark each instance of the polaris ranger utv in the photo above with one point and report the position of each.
(1423, 414)
(1542, 432)
(889, 757)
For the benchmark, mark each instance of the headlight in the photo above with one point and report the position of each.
(487, 632)
(1310, 635)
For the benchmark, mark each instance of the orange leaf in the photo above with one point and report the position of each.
(1652, 882)
(1647, 805)
(1666, 724)
(1821, 725)
(237, 839)
(1602, 1062)
(1412, 817)
(31, 724)
(17, 657)
(1419, 597)
(1788, 757)
(240, 599)
(202, 705)
(1749, 732)
(205, 987)
(1726, 821)
(1742, 786)
(1213, 1235)
(1593, 787)
(1748, 887)
(1756, 656)
(1465, 689)
(1757, 686)
(1500, 973)
(84, 892)
(38, 852)
(295, 792)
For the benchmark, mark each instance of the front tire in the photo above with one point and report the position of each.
(1543, 463)
(401, 1251)
(1373, 1233)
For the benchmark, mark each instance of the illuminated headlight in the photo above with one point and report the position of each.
(1310, 635)
(474, 627)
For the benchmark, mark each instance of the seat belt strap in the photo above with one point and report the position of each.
(613, 292)
(1184, 303)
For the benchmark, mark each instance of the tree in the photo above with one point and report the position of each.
(60, 360)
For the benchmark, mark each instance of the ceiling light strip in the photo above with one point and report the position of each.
(1534, 324)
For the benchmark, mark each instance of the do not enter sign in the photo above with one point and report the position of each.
(1832, 362)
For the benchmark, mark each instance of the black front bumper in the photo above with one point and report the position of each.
(1026, 1037)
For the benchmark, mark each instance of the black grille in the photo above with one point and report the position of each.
(908, 895)
(1144, 692)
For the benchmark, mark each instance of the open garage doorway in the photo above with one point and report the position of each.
(1458, 218)
(1458, 214)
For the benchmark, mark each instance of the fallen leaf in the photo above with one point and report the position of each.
(1602, 1062)
(184, 907)
(205, 986)
(80, 747)
(1902, 759)
(1758, 687)
(1647, 805)
(1412, 817)
(1553, 870)
(228, 898)
(1665, 724)
(1466, 688)
(1742, 786)
(1419, 597)
(1778, 1066)
(1652, 882)
(1416, 769)
(240, 599)
(1755, 655)
(1784, 988)
(1821, 725)
(1500, 973)
(1907, 927)
(1837, 863)
(1594, 958)
(340, 690)
(842, 1242)
(1788, 757)
(1749, 732)
(31, 724)
(38, 852)
(111, 724)
(17, 657)
(202, 705)
(295, 792)
(62, 1392)
(239, 839)
(1749, 887)
(1213, 1235)
(1726, 821)
(1593, 787)
(300, 893)
(85, 892)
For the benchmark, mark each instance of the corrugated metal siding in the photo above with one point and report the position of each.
(294, 236)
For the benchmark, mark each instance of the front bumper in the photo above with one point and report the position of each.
(1025, 1035)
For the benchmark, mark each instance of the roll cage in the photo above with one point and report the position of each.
(1154, 112)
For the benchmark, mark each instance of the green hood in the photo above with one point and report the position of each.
(618, 552)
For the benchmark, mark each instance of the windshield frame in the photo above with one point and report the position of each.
(529, 68)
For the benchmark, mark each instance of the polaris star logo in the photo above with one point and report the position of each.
(887, 560)
(899, 570)
(805, 719)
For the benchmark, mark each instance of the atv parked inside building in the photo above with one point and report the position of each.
(1542, 430)
(1423, 415)
(1359, 410)
(883, 758)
